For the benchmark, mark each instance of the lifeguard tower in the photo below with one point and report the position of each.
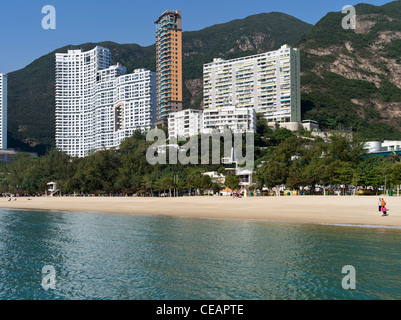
(52, 189)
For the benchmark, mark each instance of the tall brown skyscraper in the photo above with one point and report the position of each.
(169, 63)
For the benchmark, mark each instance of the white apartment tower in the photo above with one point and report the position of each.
(3, 111)
(123, 103)
(76, 78)
(97, 104)
(268, 82)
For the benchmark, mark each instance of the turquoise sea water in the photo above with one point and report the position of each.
(113, 256)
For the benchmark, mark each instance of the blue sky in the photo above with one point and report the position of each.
(22, 38)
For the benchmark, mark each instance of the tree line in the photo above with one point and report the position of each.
(341, 163)
(282, 158)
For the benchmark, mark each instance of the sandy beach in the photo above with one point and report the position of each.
(350, 210)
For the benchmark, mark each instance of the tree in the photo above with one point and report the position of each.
(296, 179)
(147, 184)
(394, 157)
(287, 149)
(345, 148)
(262, 127)
(99, 172)
(192, 180)
(136, 184)
(232, 181)
(180, 184)
(355, 180)
(373, 171)
(205, 182)
(395, 176)
(217, 187)
(275, 174)
(318, 172)
(280, 135)
(166, 183)
(342, 173)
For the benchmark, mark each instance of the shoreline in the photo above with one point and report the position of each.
(394, 227)
(327, 210)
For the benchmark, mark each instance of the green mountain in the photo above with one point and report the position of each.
(353, 77)
(31, 117)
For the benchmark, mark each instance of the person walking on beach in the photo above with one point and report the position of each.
(380, 204)
(384, 211)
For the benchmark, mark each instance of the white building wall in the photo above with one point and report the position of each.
(3, 111)
(190, 122)
(105, 97)
(76, 76)
(373, 146)
(238, 120)
(185, 123)
(136, 97)
(393, 145)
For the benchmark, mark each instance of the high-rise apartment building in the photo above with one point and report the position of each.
(97, 104)
(268, 82)
(76, 78)
(169, 63)
(123, 104)
(3, 111)
(135, 103)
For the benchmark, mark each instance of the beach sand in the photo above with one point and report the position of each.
(343, 210)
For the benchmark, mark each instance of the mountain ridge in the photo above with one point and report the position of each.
(351, 77)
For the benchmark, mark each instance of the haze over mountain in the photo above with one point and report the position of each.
(349, 77)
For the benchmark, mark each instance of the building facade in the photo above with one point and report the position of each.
(190, 122)
(237, 120)
(123, 103)
(3, 111)
(385, 146)
(185, 123)
(268, 82)
(97, 104)
(169, 63)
